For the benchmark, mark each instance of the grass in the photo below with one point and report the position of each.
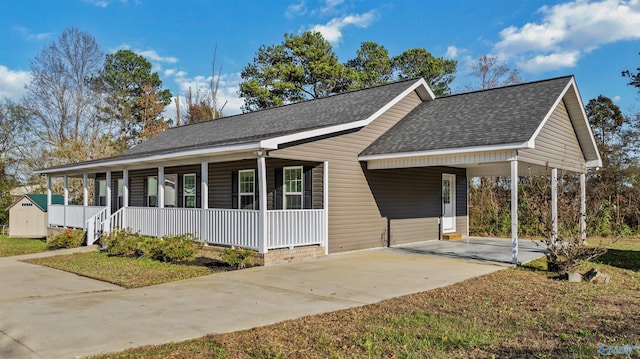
(18, 246)
(125, 272)
(514, 313)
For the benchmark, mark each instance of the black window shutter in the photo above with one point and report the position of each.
(256, 191)
(145, 191)
(234, 189)
(179, 190)
(198, 191)
(277, 193)
(307, 202)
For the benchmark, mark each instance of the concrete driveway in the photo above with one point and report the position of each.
(46, 313)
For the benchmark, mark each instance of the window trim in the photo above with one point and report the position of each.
(100, 196)
(184, 190)
(120, 192)
(171, 177)
(286, 193)
(246, 194)
(149, 191)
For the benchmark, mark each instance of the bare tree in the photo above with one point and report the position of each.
(491, 72)
(59, 95)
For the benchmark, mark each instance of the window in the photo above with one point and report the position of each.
(246, 185)
(152, 191)
(102, 192)
(170, 190)
(120, 192)
(189, 190)
(293, 188)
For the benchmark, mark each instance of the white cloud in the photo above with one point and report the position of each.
(27, 34)
(568, 31)
(616, 98)
(12, 83)
(151, 55)
(452, 52)
(294, 10)
(332, 31)
(102, 3)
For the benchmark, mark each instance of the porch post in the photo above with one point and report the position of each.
(583, 207)
(514, 211)
(204, 201)
(48, 194)
(85, 190)
(161, 187)
(554, 205)
(204, 185)
(125, 188)
(66, 198)
(325, 204)
(107, 227)
(262, 189)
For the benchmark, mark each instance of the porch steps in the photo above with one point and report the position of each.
(451, 236)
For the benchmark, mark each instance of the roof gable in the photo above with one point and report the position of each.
(497, 117)
(40, 200)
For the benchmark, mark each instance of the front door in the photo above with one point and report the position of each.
(448, 203)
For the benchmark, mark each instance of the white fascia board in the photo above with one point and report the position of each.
(587, 125)
(153, 158)
(273, 143)
(553, 108)
(594, 163)
(448, 151)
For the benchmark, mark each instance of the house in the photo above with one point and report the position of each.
(369, 168)
(28, 215)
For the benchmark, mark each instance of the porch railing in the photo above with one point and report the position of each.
(233, 227)
(95, 226)
(72, 215)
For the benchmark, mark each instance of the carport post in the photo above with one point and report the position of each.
(554, 204)
(583, 207)
(514, 211)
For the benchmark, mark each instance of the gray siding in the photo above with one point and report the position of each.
(355, 222)
(556, 144)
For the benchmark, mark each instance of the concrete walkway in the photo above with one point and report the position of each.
(46, 313)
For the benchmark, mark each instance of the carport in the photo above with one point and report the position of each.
(532, 129)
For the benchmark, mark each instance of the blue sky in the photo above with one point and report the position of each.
(593, 40)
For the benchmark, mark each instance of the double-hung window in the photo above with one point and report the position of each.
(246, 186)
(152, 191)
(102, 192)
(189, 190)
(293, 187)
(120, 193)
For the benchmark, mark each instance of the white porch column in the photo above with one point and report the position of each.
(554, 204)
(583, 207)
(108, 193)
(204, 185)
(161, 187)
(125, 188)
(48, 193)
(325, 204)
(66, 190)
(85, 190)
(262, 189)
(514, 211)
(204, 201)
(107, 226)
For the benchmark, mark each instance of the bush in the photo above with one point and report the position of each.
(236, 257)
(70, 238)
(179, 248)
(172, 249)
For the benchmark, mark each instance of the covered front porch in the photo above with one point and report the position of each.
(248, 200)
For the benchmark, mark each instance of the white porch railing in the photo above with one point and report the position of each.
(292, 228)
(71, 216)
(232, 227)
(94, 226)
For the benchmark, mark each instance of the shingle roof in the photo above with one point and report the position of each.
(279, 121)
(497, 116)
(40, 200)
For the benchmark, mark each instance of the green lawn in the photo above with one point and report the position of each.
(514, 313)
(17, 246)
(125, 272)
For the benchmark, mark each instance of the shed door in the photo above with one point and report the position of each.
(448, 203)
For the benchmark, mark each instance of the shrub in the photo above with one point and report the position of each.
(236, 257)
(70, 238)
(179, 248)
(122, 243)
(150, 247)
